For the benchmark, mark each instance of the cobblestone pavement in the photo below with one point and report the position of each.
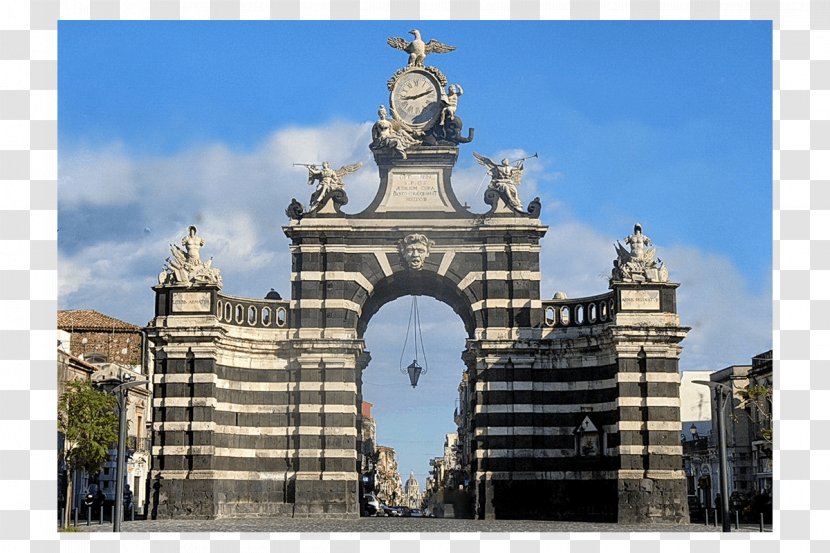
(386, 525)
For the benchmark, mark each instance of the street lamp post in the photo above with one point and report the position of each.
(721, 392)
(120, 392)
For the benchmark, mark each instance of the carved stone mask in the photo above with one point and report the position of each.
(414, 250)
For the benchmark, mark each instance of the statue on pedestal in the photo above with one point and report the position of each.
(504, 179)
(638, 264)
(186, 268)
(391, 135)
(329, 181)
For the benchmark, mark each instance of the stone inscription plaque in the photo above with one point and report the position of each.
(414, 191)
(640, 299)
(191, 301)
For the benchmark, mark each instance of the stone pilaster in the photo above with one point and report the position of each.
(326, 477)
(647, 332)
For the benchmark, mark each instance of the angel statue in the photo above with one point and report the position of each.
(391, 135)
(328, 181)
(638, 264)
(504, 179)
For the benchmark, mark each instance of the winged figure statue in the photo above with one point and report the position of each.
(417, 48)
(328, 181)
(623, 255)
(504, 178)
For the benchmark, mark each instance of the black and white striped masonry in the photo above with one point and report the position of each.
(574, 404)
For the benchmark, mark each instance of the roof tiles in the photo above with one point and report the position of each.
(89, 319)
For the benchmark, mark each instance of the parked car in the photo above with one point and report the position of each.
(371, 506)
(418, 513)
(391, 511)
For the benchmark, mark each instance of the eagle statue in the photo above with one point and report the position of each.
(418, 49)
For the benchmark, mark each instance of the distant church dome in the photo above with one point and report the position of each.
(560, 296)
(273, 295)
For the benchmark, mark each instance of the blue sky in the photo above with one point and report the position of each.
(164, 124)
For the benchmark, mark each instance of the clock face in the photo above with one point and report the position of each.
(416, 98)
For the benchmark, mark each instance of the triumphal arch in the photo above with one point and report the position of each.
(573, 410)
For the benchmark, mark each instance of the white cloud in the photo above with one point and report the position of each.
(236, 241)
(575, 259)
(192, 180)
(98, 177)
(72, 276)
(729, 322)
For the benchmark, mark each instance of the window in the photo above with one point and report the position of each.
(95, 357)
(550, 316)
(565, 315)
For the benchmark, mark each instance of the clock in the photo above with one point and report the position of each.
(416, 98)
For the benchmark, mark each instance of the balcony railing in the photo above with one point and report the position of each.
(563, 313)
(135, 444)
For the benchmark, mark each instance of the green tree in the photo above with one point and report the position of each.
(88, 420)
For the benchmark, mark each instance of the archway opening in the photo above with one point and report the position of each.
(412, 423)
(419, 283)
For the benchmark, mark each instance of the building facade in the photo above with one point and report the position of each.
(463, 416)
(97, 338)
(70, 368)
(413, 496)
(368, 439)
(388, 486)
(748, 415)
(740, 476)
(112, 351)
(137, 449)
(760, 416)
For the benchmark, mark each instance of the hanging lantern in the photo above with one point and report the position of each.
(414, 371)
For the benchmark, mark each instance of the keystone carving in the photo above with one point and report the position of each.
(414, 250)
